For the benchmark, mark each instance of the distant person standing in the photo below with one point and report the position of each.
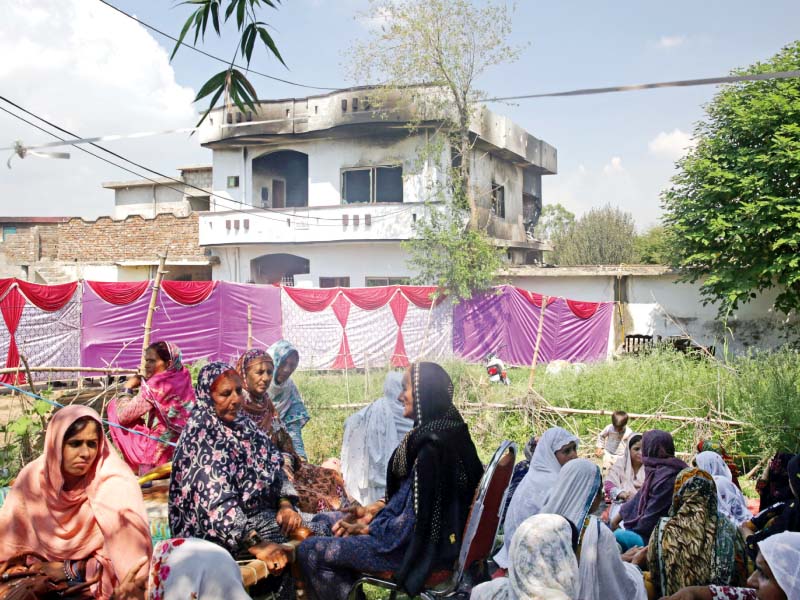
(612, 441)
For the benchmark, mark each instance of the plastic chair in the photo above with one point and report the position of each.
(485, 517)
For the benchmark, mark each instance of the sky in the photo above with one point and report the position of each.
(94, 72)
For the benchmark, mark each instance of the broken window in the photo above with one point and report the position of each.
(531, 210)
(331, 282)
(498, 200)
(372, 184)
(384, 281)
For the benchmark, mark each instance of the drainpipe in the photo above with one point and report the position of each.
(154, 201)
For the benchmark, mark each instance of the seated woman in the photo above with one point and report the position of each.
(603, 575)
(318, 489)
(775, 578)
(641, 513)
(773, 485)
(159, 409)
(432, 479)
(784, 516)
(542, 564)
(695, 544)
(717, 448)
(285, 395)
(228, 484)
(79, 507)
(556, 447)
(730, 500)
(370, 437)
(626, 477)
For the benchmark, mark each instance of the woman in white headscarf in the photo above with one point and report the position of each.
(542, 564)
(370, 437)
(556, 447)
(730, 500)
(576, 495)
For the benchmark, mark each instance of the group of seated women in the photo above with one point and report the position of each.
(75, 517)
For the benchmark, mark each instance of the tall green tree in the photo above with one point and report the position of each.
(734, 207)
(603, 236)
(554, 221)
(653, 247)
(434, 51)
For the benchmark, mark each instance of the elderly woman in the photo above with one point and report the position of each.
(80, 508)
(730, 500)
(285, 395)
(318, 489)
(228, 484)
(556, 447)
(431, 482)
(157, 407)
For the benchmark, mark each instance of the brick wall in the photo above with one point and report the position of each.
(20, 247)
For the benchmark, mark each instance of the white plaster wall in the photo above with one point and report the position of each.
(98, 272)
(487, 168)
(227, 163)
(139, 201)
(588, 289)
(356, 260)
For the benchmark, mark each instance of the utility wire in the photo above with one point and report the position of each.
(217, 58)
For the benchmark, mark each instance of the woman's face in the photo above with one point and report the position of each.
(636, 454)
(79, 452)
(153, 364)
(407, 395)
(566, 453)
(764, 582)
(226, 392)
(286, 369)
(259, 376)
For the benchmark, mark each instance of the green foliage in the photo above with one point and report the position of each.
(735, 204)
(653, 247)
(603, 236)
(237, 88)
(554, 221)
(22, 437)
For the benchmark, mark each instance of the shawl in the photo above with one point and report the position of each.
(603, 574)
(621, 476)
(171, 398)
(542, 564)
(532, 492)
(286, 396)
(221, 472)
(575, 491)
(786, 515)
(782, 553)
(184, 569)
(104, 517)
(695, 544)
(370, 437)
(438, 452)
(258, 407)
(776, 488)
(652, 501)
(730, 500)
(713, 446)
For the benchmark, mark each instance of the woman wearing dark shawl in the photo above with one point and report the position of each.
(431, 482)
(641, 513)
(773, 486)
(227, 484)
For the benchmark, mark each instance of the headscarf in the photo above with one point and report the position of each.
(652, 501)
(776, 488)
(221, 472)
(695, 544)
(191, 568)
(621, 477)
(439, 454)
(258, 407)
(603, 574)
(286, 396)
(714, 446)
(171, 397)
(782, 553)
(786, 514)
(730, 500)
(103, 517)
(574, 492)
(370, 437)
(532, 492)
(530, 448)
(542, 564)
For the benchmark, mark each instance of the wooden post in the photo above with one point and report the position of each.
(538, 342)
(249, 327)
(148, 324)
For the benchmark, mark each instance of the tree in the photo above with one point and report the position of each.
(232, 82)
(554, 221)
(435, 50)
(734, 206)
(603, 236)
(653, 247)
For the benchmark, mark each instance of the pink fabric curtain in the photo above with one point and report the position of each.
(399, 306)
(11, 306)
(341, 308)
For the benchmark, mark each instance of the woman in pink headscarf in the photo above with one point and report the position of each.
(79, 507)
(159, 410)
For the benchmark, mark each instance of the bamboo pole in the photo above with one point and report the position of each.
(148, 324)
(24, 362)
(249, 327)
(539, 330)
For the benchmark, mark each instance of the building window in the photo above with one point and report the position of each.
(384, 281)
(287, 281)
(6, 231)
(233, 181)
(372, 184)
(331, 282)
(498, 201)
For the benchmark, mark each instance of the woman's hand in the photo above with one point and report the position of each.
(624, 495)
(615, 522)
(53, 570)
(134, 583)
(357, 515)
(636, 556)
(289, 520)
(271, 555)
(133, 383)
(347, 529)
(698, 592)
